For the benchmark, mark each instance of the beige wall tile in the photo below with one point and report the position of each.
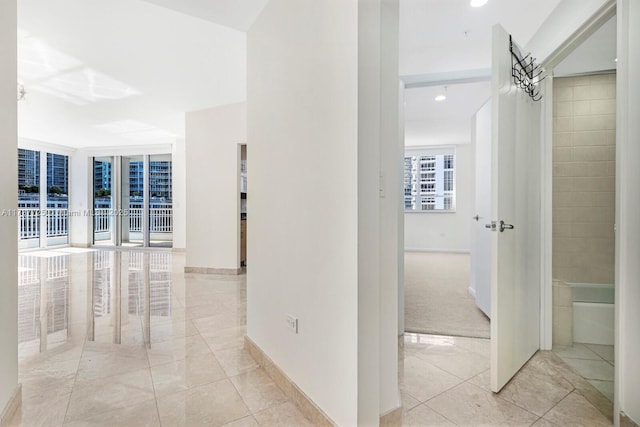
(563, 94)
(562, 154)
(564, 109)
(581, 93)
(581, 108)
(562, 139)
(584, 178)
(603, 106)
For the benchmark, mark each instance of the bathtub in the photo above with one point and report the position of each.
(593, 313)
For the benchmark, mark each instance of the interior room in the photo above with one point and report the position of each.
(439, 298)
(303, 212)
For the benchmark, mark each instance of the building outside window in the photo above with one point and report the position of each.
(37, 204)
(429, 179)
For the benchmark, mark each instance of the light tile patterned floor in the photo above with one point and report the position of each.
(160, 347)
(593, 361)
(445, 381)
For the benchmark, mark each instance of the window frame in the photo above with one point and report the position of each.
(417, 199)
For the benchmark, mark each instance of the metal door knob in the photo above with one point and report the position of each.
(505, 226)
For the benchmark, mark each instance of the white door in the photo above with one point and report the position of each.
(515, 201)
(481, 247)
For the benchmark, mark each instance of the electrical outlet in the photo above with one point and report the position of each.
(292, 323)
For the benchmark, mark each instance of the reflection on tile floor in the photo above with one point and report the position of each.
(126, 338)
(593, 361)
(445, 381)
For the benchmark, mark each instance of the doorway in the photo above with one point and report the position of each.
(133, 201)
(583, 216)
(438, 203)
(243, 206)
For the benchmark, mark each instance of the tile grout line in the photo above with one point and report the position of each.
(559, 401)
(436, 411)
(153, 385)
(75, 378)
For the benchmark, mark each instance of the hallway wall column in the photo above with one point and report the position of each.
(9, 389)
(321, 107)
(81, 199)
(213, 193)
(627, 378)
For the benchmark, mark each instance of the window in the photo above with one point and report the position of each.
(429, 180)
(43, 212)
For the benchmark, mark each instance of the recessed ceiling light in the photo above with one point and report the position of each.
(440, 98)
(478, 3)
(615, 60)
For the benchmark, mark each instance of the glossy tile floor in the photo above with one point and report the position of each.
(445, 382)
(593, 361)
(126, 338)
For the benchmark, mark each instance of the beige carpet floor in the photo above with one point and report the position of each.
(437, 299)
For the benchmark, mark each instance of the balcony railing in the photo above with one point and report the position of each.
(29, 223)
(161, 221)
(57, 222)
(102, 220)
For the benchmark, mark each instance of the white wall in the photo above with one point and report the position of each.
(442, 231)
(314, 114)
(391, 203)
(627, 206)
(565, 19)
(80, 198)
(179, 184)
(8, 200)
(213, 192)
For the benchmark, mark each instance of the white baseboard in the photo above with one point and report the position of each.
(13, 405)
(472, 292)
(451, 251)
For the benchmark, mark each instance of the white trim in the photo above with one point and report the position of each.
(35, 145)
(450, 251)
(12, 406)
(546, 225)
(129, 150)
(585, 31)
(446, 78)
(472, 292)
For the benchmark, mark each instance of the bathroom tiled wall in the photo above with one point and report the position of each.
(584, 179)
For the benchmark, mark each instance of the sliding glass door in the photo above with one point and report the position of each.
(132, 206)
(133, 201)
(103, 206)
(160, 201)
(43, 204)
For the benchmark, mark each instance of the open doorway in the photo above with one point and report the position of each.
(438, 200)
(243, 206)
(584, 171)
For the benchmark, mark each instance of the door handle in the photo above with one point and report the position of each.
(505, 226)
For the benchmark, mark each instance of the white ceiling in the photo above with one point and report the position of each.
(429, 122)
(121, 72)
(238, 14)
(433, 43)
(597, 53)
(124, 72)
(433, 39)
(441, 36)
